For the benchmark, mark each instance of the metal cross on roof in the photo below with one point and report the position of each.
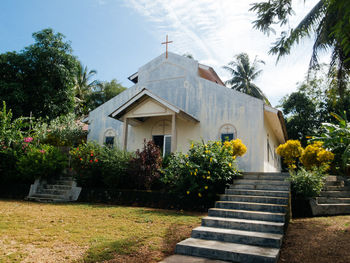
(166, 45)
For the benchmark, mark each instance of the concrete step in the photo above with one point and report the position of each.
(334, 178)
(278, 177)
(333, 200)
(245, 214)
(238, 236)
(337, 188)
(189, 259)
(55, 186)
(48, 196)
(254, 198)
(260, 187)
(331, 209)
(261, 182)
(257, 192)
(334, 183)
(244, 224)
(226, 251)
(46, 200)
(64, 182)
(335, 194)
(51, 191)
(251, 206)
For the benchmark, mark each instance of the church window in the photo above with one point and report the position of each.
(227, 133)
(161, 136)
(109, 137)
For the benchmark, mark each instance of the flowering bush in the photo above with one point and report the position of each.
(204, 171)
(315, 155)
(45, 161)
(100, 167)
(290, 151)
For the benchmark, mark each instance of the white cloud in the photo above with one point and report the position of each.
(214, 31)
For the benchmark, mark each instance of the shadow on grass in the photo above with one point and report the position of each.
(109, 250)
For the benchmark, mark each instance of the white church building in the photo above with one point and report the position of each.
(177, 100)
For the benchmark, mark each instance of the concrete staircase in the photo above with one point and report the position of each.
(334, 198)
(246, 225)
(63, 189)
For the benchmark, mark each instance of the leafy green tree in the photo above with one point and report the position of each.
(40, 78)
(84, 87)
(328, 21)
(107, 90)
(243, 74)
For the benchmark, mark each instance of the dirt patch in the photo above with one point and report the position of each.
(321, 240)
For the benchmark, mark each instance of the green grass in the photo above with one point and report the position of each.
(89, 233)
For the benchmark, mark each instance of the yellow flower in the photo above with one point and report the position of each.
(199, 194)
(211, 159)
(196, 170)
(192, 145)
(186, 155)
(208, 172)
(206, 187)
(195, 173)
(230, 164)
(208, 177)
(203, 177)
(188, 192)
(191, 173)
(187, 164)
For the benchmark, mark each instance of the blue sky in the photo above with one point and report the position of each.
(116, 37)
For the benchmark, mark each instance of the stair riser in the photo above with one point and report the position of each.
(253, 199)
(240, 239)
(337, 188)
(252, 207)
(332, 209)
(222, 255)
(52, 191)
(246, 215)
(242, 226)
(332, 200)
(265, 177)
(261, 182)
(68, 183)
(335, 183)
(247, 192)
(260, 187)
(57, 187)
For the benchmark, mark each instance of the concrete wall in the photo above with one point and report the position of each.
(175, 80)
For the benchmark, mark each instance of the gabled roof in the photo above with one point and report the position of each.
(209, 73)
(139, 97)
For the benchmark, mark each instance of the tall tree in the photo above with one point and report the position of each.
(243, 74)
(107, 90)
(84, 87)
(329, 23)
(40, 78)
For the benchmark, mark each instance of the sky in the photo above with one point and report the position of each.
(116, 37)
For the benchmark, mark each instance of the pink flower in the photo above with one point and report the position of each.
(28, 139)
(42, 151)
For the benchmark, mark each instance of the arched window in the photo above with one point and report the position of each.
(227, 132)
(110, 137)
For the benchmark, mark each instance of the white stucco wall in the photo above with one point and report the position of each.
(176, 81)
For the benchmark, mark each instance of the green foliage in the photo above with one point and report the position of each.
(100, 167)
(243, 74)
(40, 78)
(337, 138)
(204, 171)
(64, 130)
(145, 166)
(44, 162)
(106, 91)
(308, 183)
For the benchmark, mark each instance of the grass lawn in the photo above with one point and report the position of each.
(318, 239)
(34, 232)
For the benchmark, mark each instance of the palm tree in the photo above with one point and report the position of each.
(329, 23)
(84, 87)
(243, 74)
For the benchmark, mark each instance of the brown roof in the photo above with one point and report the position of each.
(208, 73)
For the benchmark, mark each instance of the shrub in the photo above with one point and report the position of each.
(145, 166)
(290, 151)
(315, 155)
(308, 183)
(45, 161)
(97, 166)
(204, 171)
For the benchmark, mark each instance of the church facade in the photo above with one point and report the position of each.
(177, 100)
